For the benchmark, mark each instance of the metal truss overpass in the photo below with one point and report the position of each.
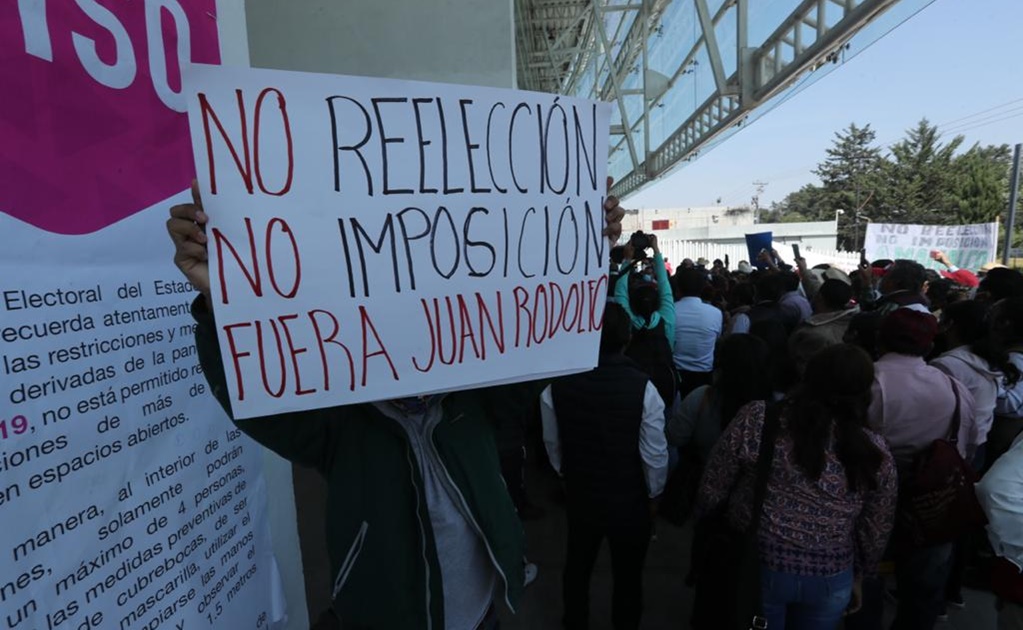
(686, 73)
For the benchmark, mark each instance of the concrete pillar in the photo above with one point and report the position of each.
(450, 41)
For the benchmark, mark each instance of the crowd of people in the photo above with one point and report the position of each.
(868, 376)
(790, 413)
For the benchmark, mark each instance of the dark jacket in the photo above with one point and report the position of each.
(599, 416)
(376, 507)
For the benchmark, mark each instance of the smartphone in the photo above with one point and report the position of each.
(863, 258)
(795, 250)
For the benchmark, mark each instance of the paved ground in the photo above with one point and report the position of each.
(667, 600)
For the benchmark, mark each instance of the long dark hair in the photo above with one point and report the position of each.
(970, 322)
(645, 300)
(779, 368)
(833, 401)
(741, 373)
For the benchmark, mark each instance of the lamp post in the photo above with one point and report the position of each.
(838, 212)
(856, 242)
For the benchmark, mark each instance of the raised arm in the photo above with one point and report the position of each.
(811, 283)
(667, 304)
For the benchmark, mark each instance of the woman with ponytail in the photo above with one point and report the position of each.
(831, 492)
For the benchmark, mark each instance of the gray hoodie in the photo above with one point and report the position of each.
(976, 374)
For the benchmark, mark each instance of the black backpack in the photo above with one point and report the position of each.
(650, 350)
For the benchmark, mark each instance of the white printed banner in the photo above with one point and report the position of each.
(968, 246)
(127, 499)
(370, 238)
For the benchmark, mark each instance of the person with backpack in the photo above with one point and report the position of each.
(914, 405)
(651, 313)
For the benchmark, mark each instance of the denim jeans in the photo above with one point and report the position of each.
(805, 602)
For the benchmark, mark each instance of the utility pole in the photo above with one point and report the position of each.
(1013, 195)
(760, 186)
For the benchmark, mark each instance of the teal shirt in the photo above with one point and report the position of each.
(665, 313)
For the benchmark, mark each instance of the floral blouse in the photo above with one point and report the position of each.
(807, 527)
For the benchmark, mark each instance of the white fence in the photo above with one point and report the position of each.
(676, 250)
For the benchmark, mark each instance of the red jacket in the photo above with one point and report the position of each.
(1007, 581)
(963, 277)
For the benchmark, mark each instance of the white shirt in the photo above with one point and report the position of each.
(1001, 495)
(653, 445)
(739, 325)
(697, 328)
(468, 576)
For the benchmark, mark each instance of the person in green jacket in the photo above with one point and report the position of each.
(421, 532)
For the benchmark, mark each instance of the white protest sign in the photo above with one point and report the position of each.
(372, 239)
(968, 246)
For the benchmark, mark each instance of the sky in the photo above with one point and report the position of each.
(948, 63)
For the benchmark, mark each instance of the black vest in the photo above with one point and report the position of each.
(599, 415)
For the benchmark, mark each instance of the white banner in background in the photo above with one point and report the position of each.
(968, 246)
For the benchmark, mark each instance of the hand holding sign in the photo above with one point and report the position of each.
(613, 215)
(187, 230)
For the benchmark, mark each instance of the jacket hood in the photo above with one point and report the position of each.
(639, 322)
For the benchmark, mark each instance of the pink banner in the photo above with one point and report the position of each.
(92, 122)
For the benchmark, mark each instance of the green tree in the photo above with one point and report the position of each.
(850, 180)
(920, 177)
(979, 189)
(923, 179)
(809, 202)
(849, 173)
